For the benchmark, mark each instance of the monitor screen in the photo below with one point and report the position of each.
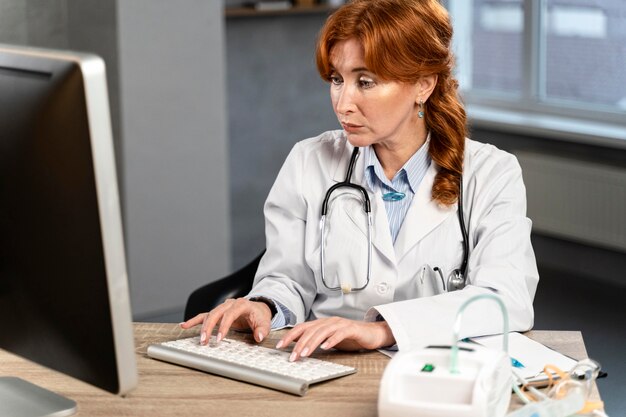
(64, 299)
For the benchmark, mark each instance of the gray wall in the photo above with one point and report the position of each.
(165, 70)
(275, 98)
(174, 148)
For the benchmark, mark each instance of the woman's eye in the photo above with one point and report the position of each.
(365, 83)
(335, 80)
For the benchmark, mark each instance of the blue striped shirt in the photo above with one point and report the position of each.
(406, 181)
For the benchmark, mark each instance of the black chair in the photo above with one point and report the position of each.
(235, 285)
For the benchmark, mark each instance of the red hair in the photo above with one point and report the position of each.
(404, 40)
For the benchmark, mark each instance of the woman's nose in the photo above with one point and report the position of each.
(345, 100)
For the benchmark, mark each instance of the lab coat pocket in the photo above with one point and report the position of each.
(427, 282)
(451, 259)
(442, 253)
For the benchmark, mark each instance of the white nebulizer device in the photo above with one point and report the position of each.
(461, 380)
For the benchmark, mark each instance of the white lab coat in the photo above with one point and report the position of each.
(404, 289)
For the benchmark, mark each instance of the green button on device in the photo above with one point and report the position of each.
(429, 367)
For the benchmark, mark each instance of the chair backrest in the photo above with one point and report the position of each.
(235, 285)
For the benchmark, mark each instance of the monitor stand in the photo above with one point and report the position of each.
(19, 398)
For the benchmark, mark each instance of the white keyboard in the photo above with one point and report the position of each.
(249, 363)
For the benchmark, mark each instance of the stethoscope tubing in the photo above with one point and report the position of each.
(458, 277)
(463, 229)
(368, 211)
(347, 183)
(344, 288)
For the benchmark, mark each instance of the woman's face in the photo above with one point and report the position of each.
(370, 110)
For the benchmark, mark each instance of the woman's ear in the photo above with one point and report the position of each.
(425, 86)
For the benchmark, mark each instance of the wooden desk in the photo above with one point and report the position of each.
(169, 390)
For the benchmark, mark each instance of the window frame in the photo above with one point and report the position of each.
(530, 110)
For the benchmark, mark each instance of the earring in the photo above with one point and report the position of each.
(420, 112)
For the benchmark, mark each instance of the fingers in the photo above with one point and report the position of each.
(194, 321)
(334, 339)
(242, 312)
(292, 334)
(318, 337)
(309, 336)
(260, 321)
(260, 330)
(237, 308)
(211, 319)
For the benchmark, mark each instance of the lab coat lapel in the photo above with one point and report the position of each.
(382, 235)
(423, 215)
(341, 160)
(381, 238)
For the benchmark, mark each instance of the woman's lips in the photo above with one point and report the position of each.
(350, 128)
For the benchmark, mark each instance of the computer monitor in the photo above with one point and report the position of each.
(64, 300)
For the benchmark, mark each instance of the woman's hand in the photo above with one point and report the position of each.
(336, 332)
(239, 314)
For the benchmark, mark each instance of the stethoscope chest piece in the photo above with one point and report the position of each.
(456, 280)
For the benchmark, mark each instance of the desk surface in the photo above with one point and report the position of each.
(167, 390)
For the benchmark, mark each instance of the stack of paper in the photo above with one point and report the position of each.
(532, 356)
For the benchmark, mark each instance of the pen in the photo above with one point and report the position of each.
(516, 363)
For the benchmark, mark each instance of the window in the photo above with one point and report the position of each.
(497, 30)
(561, 57)
(586, 51)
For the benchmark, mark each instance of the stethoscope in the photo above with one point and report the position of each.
(457, 278)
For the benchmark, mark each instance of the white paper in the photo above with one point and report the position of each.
(387, 352)
(533, 355)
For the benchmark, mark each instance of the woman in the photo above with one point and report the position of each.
(389, 66)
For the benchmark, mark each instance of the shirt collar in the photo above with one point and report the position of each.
(415, 168)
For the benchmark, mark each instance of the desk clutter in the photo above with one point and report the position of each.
(476, 379)
(473, 378)
(167, 390)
